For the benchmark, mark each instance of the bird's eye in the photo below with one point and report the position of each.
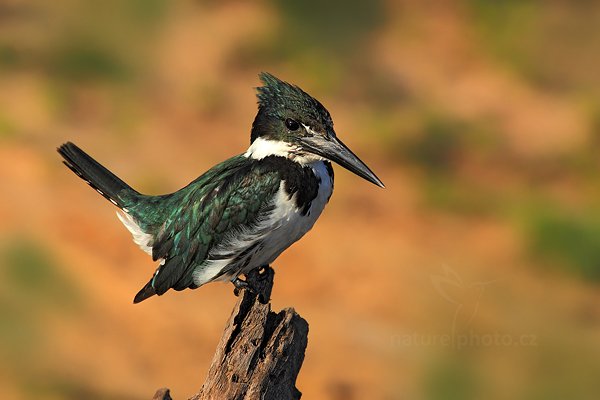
(291, 124)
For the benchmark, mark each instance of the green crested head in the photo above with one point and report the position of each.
(290, 123)
(284, 108)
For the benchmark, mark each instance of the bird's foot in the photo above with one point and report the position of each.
(254, 283)
(241, 284)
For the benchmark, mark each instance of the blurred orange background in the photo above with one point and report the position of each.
(473, 275)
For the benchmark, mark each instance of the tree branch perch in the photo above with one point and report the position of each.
(260, 353)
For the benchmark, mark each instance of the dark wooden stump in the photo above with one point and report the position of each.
(260, 353)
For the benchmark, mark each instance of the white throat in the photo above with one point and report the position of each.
(262, 148)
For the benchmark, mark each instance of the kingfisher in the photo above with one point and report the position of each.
(242, 213)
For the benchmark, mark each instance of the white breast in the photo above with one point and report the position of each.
(275, 233)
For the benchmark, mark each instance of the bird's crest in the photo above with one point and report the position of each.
(277, 96)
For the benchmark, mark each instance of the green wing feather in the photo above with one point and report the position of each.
(188, 223)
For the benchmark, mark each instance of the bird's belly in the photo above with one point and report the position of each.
(289, 231)
(285, 225)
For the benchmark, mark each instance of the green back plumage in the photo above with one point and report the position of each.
(187, 224)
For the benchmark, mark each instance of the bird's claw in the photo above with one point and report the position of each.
(254, 283)
(241, 284)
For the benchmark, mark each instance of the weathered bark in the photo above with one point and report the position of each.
(260, 353)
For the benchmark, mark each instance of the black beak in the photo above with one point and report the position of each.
(331, 148)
